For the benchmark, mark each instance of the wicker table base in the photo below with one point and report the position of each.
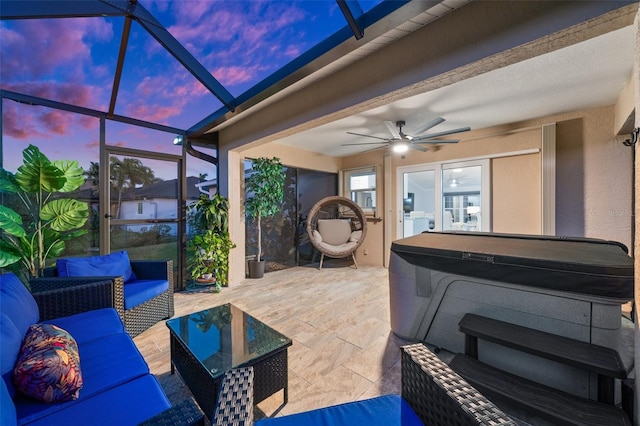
(270, 374)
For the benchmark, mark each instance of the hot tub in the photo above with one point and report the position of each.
(574, 287)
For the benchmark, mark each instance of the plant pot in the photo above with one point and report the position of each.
(256, 268)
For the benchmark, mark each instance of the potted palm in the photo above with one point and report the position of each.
(51, 218)
(265, 192)
(209, 243)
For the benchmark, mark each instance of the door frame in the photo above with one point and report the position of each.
(106, 151)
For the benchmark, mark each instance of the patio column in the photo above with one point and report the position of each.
(231, 185)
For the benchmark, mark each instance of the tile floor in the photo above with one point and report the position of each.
(338, 318)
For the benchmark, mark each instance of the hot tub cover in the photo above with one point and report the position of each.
(577, 265)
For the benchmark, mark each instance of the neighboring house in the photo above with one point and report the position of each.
(156, 201)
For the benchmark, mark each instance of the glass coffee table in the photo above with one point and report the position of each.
(206, 344)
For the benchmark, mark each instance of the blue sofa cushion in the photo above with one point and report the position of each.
(140, 291)
(106, 364)
(7, 409)
(90, 325)
(48, 367)
(388, 410)
(114, 264)
(11, 340)
(17, 303)
(129, 404)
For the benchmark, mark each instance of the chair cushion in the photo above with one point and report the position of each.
(388, 410)
(128, 404)
(106, 364)
(114, 264)
(48, 367)
(17, 303)
(140, 291)
(7, 409)
(334, 231)
(355, 236)
(90, 325)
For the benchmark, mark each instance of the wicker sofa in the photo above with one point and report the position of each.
(116, 387)
(141, 301)
(432, 394)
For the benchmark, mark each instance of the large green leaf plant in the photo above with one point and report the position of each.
(209, 243)
(48, 220)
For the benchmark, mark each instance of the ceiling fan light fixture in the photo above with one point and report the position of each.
(400, 147)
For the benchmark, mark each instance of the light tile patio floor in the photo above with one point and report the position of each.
(338, 318)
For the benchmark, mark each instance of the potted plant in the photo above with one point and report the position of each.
(209, 243)
(265, 191)
(50, 219)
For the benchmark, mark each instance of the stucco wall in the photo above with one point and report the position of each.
(516, 204)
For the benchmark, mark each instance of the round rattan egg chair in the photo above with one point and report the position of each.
(336, 227)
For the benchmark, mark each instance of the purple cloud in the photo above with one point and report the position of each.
(39, 48)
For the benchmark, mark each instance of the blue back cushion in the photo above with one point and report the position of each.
(114, 264)
(17, 303)
(11, 340)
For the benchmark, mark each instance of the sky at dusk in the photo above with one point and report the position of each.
(73, 60)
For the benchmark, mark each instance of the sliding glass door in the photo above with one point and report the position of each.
(419, 209)
(444, 197)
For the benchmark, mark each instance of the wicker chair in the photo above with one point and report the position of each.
(336, 227)
(101, 292)
(436, 393)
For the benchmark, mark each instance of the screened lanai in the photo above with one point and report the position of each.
(138, 85)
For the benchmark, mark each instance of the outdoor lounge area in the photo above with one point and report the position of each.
(287, 199)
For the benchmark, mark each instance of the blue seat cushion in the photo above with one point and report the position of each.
(17, 303)
(7, 409)
(90, 325)
(105, 363)
(129, 404)
(137, 292)
(388, 410)
(114, 264)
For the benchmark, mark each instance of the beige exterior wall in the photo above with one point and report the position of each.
(372, 250)
(516, 203)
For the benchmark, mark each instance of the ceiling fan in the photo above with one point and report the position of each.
(401, 142)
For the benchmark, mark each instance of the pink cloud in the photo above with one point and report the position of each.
(233, 75)
(41, 47)
(153, 113)
(23, 121)
(69, 93)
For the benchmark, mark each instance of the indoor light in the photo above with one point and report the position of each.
(473, 209)
(400, 147)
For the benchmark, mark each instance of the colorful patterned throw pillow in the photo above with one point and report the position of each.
(48, 366)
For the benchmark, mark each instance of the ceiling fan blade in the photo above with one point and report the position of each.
(433, 141)
(429, 125)
(367, 136)
(392, 129)
(446, 132)
(364, 143)
(419, 148)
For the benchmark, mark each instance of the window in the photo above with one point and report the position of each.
(140, 208)
(360, 185)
